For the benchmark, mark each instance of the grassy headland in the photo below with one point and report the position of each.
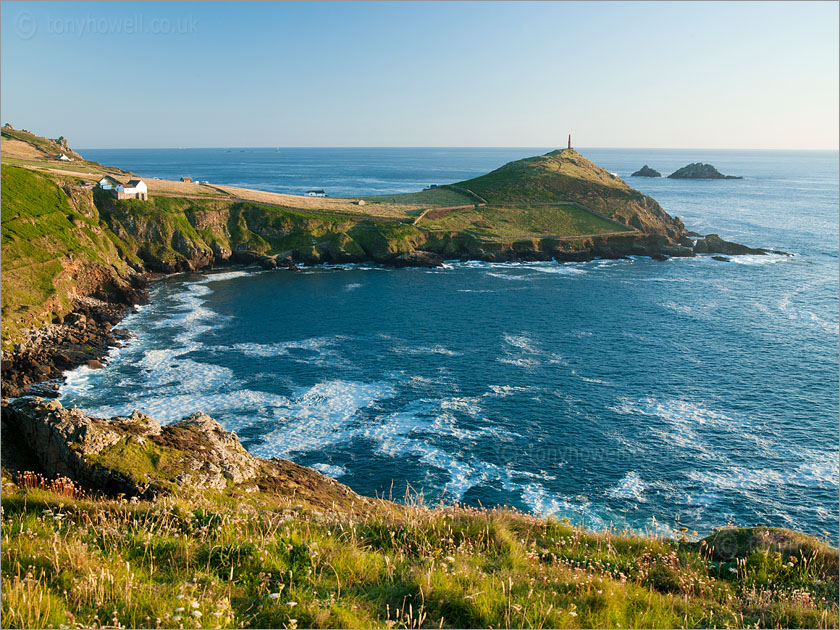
(61, 237)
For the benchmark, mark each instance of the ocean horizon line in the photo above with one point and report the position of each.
(504, 147)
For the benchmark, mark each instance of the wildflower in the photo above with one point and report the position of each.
(273, 595)
(450, 559)
(217, 613)
(291, 604)
(195, 604)
(176, 618)
(572, 613)
(179, 596)
(179, 609)
(196, 613)
(733, 570)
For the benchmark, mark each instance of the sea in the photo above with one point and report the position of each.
(671, 396)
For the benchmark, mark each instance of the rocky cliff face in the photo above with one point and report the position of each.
(137, 457)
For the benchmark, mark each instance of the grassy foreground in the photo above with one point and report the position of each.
(259, 561)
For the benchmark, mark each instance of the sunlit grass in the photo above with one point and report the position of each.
(70, 560)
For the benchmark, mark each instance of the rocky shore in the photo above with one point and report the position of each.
(35, 365)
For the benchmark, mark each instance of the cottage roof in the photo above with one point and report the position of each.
(133, 183)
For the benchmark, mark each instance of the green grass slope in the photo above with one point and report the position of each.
(522, 221)
(432, 197)
(51, 242)
(566, 176)
(263, 561)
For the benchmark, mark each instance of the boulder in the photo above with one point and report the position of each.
(103, 455)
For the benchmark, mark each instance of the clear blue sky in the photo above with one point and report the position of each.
(699, 75)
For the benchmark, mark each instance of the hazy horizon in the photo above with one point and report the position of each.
(675, 75)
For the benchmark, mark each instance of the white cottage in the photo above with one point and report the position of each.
(135, 189)
(108, 183)
(316, 193)
(62, 157)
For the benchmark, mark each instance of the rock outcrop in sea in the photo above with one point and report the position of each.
(646, 171)
(698, 170)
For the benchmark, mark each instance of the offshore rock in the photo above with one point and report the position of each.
(646, 171)
(714, 244)
(698, 170)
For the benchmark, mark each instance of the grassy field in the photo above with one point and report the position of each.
(557, 176)
(268, 563)
(434, 197)
(519, 221)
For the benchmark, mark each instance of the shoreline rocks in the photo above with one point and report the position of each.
(137, 457)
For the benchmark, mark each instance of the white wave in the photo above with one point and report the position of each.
(630, 487)
(737, 478)
(520, 341)
(564, 269)
(596, 380)
(805, 316)
(544, 503)
(320, 416)
(352, 286)
(819, 468)
(315, 344)
(507, 276)
(520, 362)
(679, 308)
(758, 259)
(229, 275)
(504, 391)
(681, 422)
(425, 350)
(330, 470)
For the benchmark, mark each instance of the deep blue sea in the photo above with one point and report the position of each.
(688, 393)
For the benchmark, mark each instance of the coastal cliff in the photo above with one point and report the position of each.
(126, 523)
(75, 258)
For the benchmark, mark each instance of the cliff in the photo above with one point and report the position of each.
(74, 257)
(124, 523)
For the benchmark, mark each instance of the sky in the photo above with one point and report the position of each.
(750, 75)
